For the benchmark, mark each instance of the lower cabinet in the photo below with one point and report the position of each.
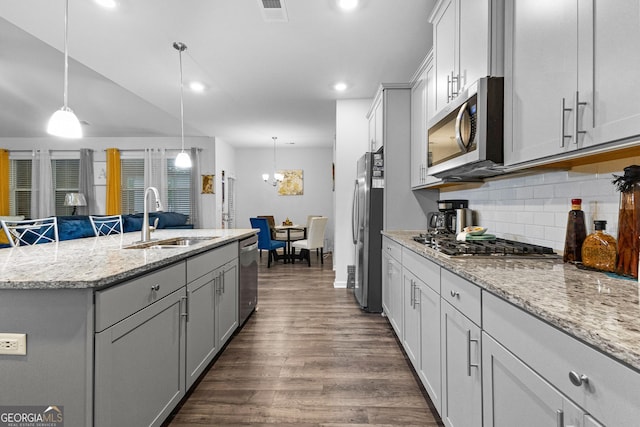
(514, 395)
(429, 370)
(392, 284)
(212, 300)
(411, 308)
(139, 365)
(461, 376)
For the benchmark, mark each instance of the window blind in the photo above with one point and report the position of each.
(132, 185)
(66, 173)
(178, 189)
(20, 188)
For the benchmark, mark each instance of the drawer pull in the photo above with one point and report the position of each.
(455, 294)
(560, 418)
(469, 364)
(155, 287)
(578, 379)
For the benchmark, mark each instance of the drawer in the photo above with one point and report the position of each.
(392, 247)
(610, 394)
(199, 265)
(462, 294)
(424, 269)
(120, 301)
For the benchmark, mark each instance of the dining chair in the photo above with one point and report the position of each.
(31, 232)
(314, 240)
(264, 239)
(105, 225)
(272, 224)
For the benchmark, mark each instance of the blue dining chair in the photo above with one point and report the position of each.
(264, 239)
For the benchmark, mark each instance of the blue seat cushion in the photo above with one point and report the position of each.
(276, 244)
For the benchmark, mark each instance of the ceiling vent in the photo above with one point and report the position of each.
(273, 10)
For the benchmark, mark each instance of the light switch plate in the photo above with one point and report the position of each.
(13, 344)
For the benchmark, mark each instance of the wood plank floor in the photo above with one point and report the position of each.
(308, 357)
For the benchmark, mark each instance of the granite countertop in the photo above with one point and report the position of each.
(601, 310)
(98, 262)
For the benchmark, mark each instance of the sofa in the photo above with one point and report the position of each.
(79, 226)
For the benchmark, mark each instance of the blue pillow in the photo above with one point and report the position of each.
(77, 227)
(132, 222)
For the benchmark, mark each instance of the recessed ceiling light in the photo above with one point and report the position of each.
(109, 4)
(340, 86)
(196, 86)
(347, 4)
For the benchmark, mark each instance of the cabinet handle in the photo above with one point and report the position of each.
(456, 79)
(185, 314)
(416, 299)
(411, 296)
(455, 294)
(448, 90)
(563, 110)
(469, 364)
(578, 379)
(155, 287)
(560, 418)
(575, 118)
(222, 281)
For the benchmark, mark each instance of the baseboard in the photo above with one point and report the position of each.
(340, 284)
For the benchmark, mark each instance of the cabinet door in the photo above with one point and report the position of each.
(395, 291)
(372, 131)
(473, 42)
(411, 310)
(541, 62)
(514, 395)
(379, 127)
(418, 131)
(429, 372)
(140, 366)
(227, 306)
(386, 278)
(616, 63)
(444, 42)
(201, 326)
(461, 376)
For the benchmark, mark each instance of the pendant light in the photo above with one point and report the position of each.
(183, 161)
(277, 177)
(63, 122)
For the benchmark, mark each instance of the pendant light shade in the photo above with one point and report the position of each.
(183, 161)
(277, 177)
(63, 122)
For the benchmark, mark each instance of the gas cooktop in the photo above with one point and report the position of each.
(447, 244)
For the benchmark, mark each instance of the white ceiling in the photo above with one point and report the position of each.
(263, 79)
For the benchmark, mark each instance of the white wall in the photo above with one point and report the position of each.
(255, 197)
(352, 136)
(131, 143)
(534, 208)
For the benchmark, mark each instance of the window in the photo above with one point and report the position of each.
(66, 173)
(132, 185)
(178, 189)
(20, 188)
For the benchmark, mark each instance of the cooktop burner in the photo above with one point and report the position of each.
(448, 245)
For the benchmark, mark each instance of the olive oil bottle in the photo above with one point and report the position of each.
(599, 249)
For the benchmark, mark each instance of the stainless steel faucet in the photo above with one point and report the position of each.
(145, 232)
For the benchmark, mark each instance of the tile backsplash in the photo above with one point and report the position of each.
(534, 207)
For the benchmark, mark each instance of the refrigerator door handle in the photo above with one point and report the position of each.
(355, 214)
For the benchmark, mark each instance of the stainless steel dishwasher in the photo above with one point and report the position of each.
(248, 289)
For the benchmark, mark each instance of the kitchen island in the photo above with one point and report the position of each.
(531, 325)
(113, 334)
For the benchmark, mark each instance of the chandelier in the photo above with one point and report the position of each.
(277, 177)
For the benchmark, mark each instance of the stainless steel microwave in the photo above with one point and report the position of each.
(465, 139)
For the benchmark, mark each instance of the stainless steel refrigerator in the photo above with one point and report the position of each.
(366, 225)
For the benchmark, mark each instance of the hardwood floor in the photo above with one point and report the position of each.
(308, 357)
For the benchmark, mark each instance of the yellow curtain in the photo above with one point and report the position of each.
(4, 182)
(114, 206)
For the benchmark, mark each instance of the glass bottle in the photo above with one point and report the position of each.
(599, 249)
(576, 233)
(629, 221)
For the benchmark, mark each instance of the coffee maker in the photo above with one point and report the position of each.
(444, 221)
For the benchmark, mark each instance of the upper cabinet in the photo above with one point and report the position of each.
(467, 40)
(570, 81)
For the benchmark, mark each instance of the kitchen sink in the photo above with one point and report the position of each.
(175, 242)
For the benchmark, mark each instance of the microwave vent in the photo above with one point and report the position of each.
(273, 10)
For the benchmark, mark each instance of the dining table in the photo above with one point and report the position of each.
(288, 229)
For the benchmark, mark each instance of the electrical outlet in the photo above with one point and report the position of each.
(13, 344)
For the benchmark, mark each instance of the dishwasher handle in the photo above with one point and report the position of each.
(245, 249)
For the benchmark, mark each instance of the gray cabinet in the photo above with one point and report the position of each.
(569, 96)
(212, 306)
(411, 309)
(392, 283)
(139, 367)
(460, 352)
(514, 395)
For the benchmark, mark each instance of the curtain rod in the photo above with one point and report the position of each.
(142, 149)
(31, 151)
